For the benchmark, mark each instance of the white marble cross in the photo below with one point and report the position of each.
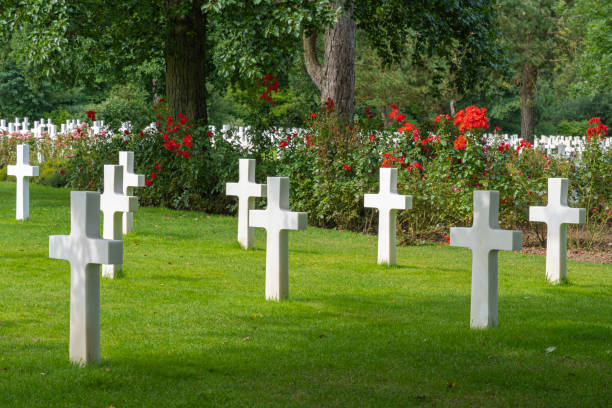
(387, 201)
(557, 214)
(130, 180)
(485, 239)
(246, 189)
(85, 251)
(113, 204)
(277, 219)
(22, 170)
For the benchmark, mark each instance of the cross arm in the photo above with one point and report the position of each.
(31, 171)
(461, 237)
(574, 215)
(232, 189)
(258, 218)
(537, 214)
(119, 203)
(134, 180)
(401, 202)
(508, 240)
(296, 221)
(258, 190)
(371, 200)
(104, 251)
(60, 247)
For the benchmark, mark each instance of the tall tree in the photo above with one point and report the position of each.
(335, 76)
(530, 34)
(435, 26)
(74, 42)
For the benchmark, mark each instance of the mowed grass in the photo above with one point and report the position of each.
(188, 325)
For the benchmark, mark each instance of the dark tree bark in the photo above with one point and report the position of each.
(335, 77)
(527, 92)
(186, 62)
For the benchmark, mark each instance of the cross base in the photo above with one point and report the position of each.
(483, 309)
(556, 255)
(277, 265)
(85, 315)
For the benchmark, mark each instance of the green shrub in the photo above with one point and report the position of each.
(124, 103)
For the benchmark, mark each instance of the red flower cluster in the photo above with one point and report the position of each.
(346, 167)
(91, 115)
(599, 129)
(416, 166)
(523, 144)
(372, 138)
(271, 83)
(471, 117)
(170, 143)
(397, 116)
(503, 147)
(329, 105)
(460, 142)
(369, 113)
(446, 116)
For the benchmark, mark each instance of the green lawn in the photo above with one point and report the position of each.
(188, 324)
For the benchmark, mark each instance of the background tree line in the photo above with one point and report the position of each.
(540, 66)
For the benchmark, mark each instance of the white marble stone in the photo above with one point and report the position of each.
(113, 204)
(246, 190)
(130, 180)
(23, 170)
(85, 251)
(277, 219)
(387, 201)
(485, 238)
(557, 214)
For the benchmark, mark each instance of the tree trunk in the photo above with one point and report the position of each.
(527, 92)
(186, 62)
(335, 77)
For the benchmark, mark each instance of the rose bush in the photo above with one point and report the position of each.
(331, 166)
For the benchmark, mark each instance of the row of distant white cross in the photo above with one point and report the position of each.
(39, 127)
(563, 145)
(85, 249)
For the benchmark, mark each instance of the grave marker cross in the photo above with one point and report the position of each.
(114, 204)
(277, 219)
(557, 214)
(22, 170)
(130, 180)
(246, 189)
(85, 251)
(485, 239)
(387, 201)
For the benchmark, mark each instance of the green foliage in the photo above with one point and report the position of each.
(51, 172)
(124, 103)
(592, 184)
(18, 97)
(591, 20)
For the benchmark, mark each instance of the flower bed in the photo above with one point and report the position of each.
(332, 165)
